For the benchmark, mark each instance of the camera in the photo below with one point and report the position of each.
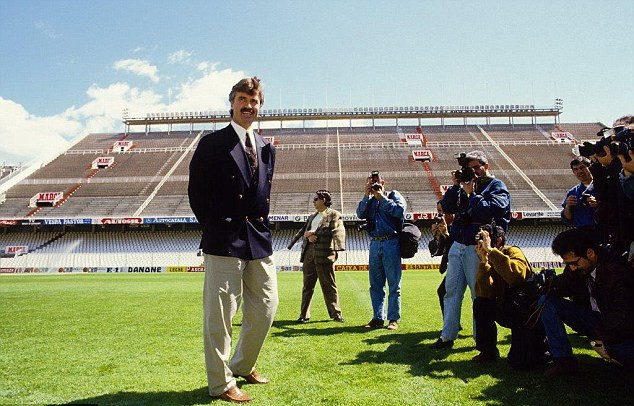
(544, 277)
(376, 180)
(583, 199)
(367, 226)
(376, 186)
(491, 229)
(465, 174)
(439, 218)
(618, 139)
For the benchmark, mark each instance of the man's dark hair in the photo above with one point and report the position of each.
(325, 195)
(477, 156)
(625, 120)
(580, 160)
(574, 240)
(250, 86)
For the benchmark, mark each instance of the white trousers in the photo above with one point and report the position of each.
(228, 281)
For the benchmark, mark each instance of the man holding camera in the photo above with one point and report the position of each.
(580, 202)
(502, 271)
(384, 215)
(600, 285)
(439, 245)
(476, 198)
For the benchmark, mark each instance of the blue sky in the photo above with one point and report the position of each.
(70, 67)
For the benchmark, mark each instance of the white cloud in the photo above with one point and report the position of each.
(181, 56)
(47, 30)
(25, 136)
(137, 50)
(138, 67)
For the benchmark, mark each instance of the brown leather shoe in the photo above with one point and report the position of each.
(254, 377)
(393, 325)
(374, 323)
(234, 394)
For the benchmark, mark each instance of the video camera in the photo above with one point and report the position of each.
(464, 174)
(618, 139)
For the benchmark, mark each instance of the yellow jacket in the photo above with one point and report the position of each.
(507, 267)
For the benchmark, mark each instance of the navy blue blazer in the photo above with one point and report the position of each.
(233, 215)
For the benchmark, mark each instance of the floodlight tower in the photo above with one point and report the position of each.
(559, 105)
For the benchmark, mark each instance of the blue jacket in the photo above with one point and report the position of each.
(582, 216)
(490, 200)
(387, 213)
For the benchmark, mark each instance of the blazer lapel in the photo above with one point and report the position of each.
(240, 157)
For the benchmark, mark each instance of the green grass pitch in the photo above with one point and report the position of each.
(130, 339)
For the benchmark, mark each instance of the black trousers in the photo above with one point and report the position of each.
(527, 344)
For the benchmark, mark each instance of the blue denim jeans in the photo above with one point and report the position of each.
(558, 311)
(385, 265)
(462, 266)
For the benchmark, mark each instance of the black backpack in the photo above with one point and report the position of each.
(408, 238)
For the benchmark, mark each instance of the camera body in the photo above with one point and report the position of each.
(367, 226)
(618, 139)
(376, 186)
(439, 218)
(583, 199)
(465, 174)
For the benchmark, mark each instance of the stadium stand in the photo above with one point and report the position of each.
(151, 180)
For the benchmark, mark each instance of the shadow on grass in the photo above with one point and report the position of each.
(291, 328)
(599, 382)
(188, 397)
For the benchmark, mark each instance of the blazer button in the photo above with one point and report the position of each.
(261, 219)
(239, 196)
(246, 218)
(233, 177)
(267, 200)
(269, 182)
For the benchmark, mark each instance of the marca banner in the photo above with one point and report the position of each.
(122, 146)
(46, 199)
(16, 249)
(144, 269)
(413, 140)
(102, 162)
(121, 220)
(422, 155)
(561, 136)
(7, 223)
(66, 221)
(169, 220)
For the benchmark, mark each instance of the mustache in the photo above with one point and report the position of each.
(246, 110)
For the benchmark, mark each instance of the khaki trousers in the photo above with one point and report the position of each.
(228, 281)
(326, 275)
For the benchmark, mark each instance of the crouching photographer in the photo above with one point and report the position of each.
(600, 285)
(501, 279)
(612, 156)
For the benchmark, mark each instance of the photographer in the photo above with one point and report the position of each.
(580, 202)
(600, 285)
(615, 213)
(502, 271)
(475, 198)
(384, 215)
(439, 245)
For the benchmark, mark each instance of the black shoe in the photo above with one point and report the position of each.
(303, 319)
(440, 344)
(375, 323)
(338, 319)
(486, 357)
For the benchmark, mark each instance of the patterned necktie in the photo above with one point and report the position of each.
(248, 148)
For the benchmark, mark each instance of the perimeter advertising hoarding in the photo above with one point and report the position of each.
(66, 221)
(169, 220)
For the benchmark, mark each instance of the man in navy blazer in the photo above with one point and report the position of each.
(229, 190)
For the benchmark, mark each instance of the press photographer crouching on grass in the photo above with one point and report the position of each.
(503, 271)
(600, 284)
